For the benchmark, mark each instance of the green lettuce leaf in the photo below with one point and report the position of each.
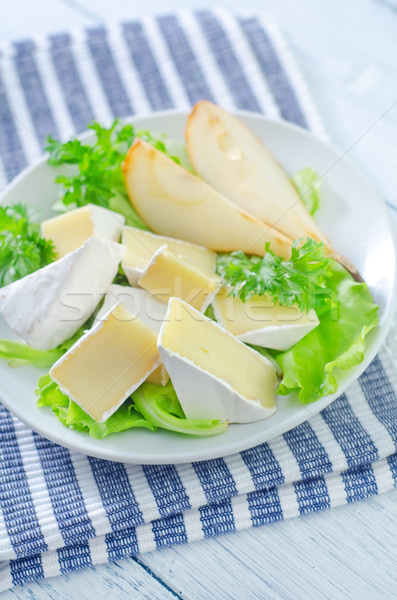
(175, 150)
(71, 415)
(338, 342)
(161, 407)
(307, 184)
(151, 407)
(119, 203)
(267, 354)
(18, 354)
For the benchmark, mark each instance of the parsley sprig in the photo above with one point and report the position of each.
(22, 249)
(91, 174)
(301, 280)
(98, 173)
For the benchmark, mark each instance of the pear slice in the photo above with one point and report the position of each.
(230, 158)
(175, 203)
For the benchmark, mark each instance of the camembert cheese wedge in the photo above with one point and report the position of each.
(105, 366)
(167, 276)
(48, 306)
(142, 245)
(261, 322)
(146, 307)
(70, 230)
(214, 375)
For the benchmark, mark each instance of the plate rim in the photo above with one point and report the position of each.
(232, 447)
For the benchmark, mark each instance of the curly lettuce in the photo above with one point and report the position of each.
(161, 407)
(72, 416)
(150, 407)
(310, 366)
(18, 354)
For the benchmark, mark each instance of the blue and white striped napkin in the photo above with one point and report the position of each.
(62, 511)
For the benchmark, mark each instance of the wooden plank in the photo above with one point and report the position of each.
(123, 581)
(27, 19)
(348, 552)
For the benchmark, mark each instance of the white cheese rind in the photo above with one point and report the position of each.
(280, 337)
(202, 394)
(142, 304)
(107, 223)
(282, 327)
(47, 307)
(133, 274)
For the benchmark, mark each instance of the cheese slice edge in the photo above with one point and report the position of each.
(168, 276)
(214, 374)
(104, 367)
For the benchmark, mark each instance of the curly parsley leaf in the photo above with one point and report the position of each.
(301, 280)
(96, 175)
(92, 174)
(22, 249)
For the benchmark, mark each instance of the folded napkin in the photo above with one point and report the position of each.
(61, 510)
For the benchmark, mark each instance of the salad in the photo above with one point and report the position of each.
(177, 287)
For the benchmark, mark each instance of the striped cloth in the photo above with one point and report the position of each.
(62, 511)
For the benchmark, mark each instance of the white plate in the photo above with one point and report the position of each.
(352, 215)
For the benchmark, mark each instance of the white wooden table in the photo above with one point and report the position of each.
(347, 50)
